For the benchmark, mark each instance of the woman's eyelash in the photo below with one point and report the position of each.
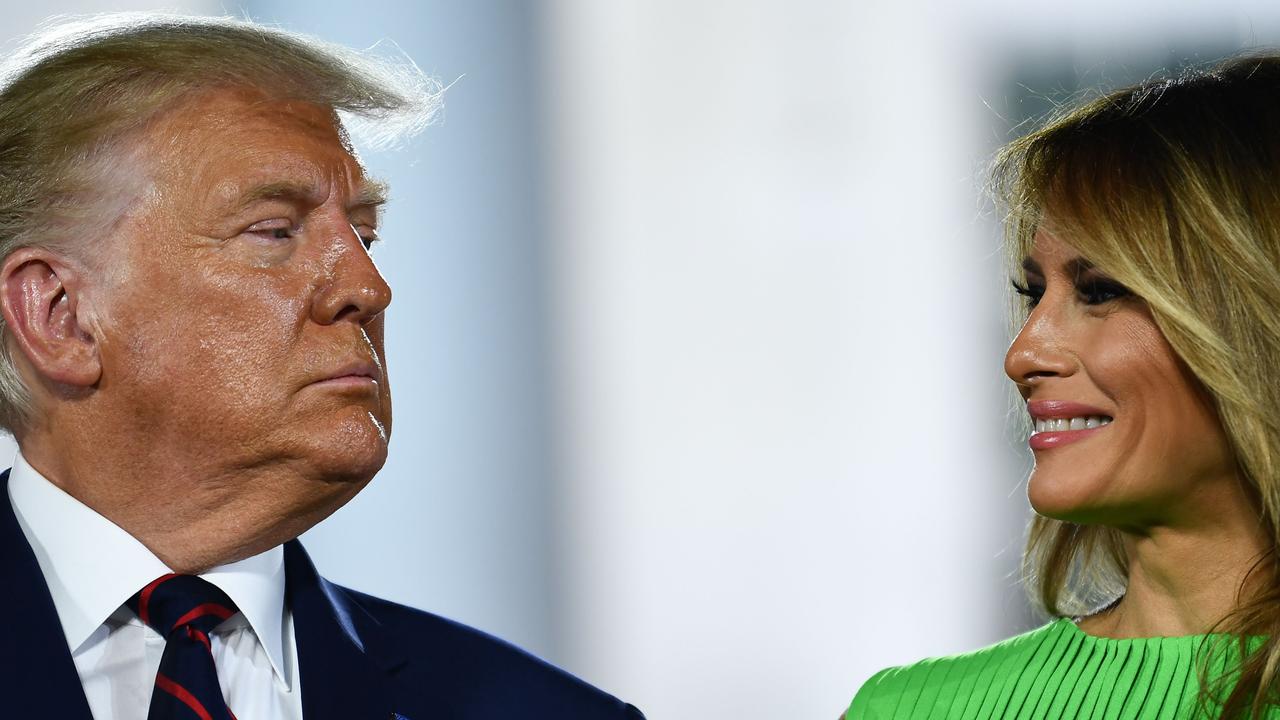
(1092, 292)
(1031, 292)
(1096, 292)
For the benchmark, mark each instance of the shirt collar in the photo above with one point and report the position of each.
(94, 569)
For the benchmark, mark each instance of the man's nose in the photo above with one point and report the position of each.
(1040, 349)
(353, 288)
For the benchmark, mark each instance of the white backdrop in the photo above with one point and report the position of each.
(780, 333)
(777, 351)
(697, 339)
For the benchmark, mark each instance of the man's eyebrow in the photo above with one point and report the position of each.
(371, 193)
(287, 190)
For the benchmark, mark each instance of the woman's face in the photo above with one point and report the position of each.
(1125, 435)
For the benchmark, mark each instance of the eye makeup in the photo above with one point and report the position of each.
(1091, 287)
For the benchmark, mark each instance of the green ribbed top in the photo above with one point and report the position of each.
(1056, 671)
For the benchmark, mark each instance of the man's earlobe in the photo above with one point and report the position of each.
(39, 301)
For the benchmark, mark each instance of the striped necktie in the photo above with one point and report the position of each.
(184, 609)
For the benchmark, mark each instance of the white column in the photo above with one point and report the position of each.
(779, 353)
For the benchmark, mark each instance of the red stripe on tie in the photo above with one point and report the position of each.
(145, 596)
(195, 634)
(181, 693)
(200, 611)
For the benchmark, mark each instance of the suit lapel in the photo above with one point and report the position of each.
(345, 661)
(39, 678)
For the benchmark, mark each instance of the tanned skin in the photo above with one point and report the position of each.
(209, 374)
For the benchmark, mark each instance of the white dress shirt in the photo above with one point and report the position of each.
(92, 567)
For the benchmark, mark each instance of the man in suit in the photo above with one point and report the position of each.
(193, 369)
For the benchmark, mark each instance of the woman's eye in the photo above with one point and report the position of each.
(1097, 292)
(1030, 291)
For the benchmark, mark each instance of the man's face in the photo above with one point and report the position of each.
(240, 320)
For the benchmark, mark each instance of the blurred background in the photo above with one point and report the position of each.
(698, 325)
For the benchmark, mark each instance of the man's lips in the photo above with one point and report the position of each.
(354, 374)
(1058, 422)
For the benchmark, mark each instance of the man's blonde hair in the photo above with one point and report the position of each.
(1172, 187)
(74, 97)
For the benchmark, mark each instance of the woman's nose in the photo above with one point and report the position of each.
(1040, 350)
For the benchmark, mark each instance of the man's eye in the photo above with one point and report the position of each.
(273, 230)
(1031, 292)
(1097, 292)
(368, 236)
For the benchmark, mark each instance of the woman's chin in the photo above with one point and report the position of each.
(1063, 501)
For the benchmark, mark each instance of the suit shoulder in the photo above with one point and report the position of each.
(936, 687)
(499, 674)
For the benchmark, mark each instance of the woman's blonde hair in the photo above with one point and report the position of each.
(1172, 187)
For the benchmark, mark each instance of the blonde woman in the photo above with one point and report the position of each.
(1144, 236)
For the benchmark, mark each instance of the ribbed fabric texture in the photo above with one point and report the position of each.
(1057, 671)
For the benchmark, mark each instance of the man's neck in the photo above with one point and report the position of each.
(181, 518)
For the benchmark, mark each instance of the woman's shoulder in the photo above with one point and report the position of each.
(924, 688)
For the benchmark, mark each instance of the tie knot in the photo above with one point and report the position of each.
(172, 602)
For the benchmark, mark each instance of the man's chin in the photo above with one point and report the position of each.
(328, 483)
(350, 452)
(350, 465)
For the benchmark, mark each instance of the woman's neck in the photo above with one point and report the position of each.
(1184, 579)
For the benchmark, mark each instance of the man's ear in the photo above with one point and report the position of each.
(39, 300)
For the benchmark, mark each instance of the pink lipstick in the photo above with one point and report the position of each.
(1059, 422)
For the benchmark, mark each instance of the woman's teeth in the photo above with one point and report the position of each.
(1075, 423)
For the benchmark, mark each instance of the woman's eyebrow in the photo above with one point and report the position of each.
(1075, 267)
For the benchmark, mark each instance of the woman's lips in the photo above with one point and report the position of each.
(1055, 409)
(1057, 438)
(1057, 414)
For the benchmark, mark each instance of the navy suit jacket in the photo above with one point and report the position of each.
(360, 658)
